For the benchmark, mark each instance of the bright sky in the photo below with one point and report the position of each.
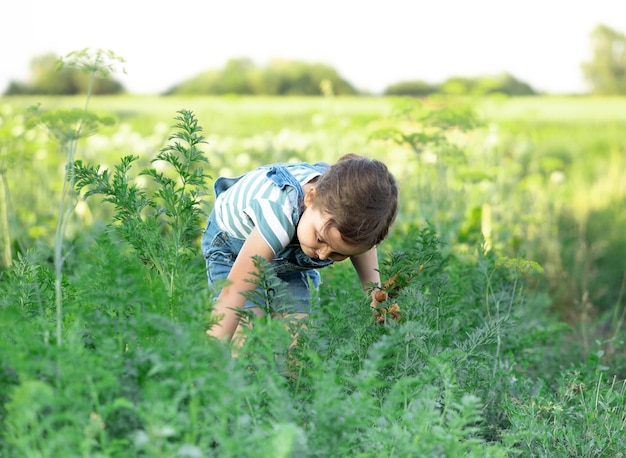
(372, 43)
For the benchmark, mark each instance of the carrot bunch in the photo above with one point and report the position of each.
(389, 290)
(382, 313)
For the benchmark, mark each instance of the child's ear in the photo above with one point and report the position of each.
(309, 197)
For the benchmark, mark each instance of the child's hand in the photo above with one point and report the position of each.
(383, 295)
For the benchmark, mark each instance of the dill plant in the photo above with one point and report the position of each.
(67, 127)
(14, 134)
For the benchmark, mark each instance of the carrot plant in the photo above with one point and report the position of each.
(160, 225)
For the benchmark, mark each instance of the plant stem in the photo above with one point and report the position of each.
(65, 212)
(5, 236)
(618, 326)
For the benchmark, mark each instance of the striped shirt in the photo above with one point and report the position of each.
(256, 201)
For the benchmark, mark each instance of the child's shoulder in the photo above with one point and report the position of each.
(304, 171)
(320, 167)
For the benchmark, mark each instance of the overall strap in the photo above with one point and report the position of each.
(282, 177)
(280, 174)
(223, 183)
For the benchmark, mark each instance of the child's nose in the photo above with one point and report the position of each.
(322, 253)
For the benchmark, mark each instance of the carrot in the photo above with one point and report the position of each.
(380, 295)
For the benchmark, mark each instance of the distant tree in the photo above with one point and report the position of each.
(606, 71)
(280, 77)
(16, 88)
(459, 85)
(288, 77)
(237, 77)
(415, 88)
(207, 82)
(46, 80)
(503, 83)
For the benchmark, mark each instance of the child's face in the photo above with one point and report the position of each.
(319, 242)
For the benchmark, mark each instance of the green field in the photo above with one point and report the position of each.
(511, 337)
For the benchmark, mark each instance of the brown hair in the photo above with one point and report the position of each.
(361, 197)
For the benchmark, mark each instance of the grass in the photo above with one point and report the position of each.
(228, 116)
(296, 112)
(549, 109)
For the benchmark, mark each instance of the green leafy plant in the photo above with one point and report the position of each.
(583, 416)
(160, 225)
(476, 364)
(14, 133)
(271, 293)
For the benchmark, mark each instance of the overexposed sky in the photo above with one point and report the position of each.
(371, 43)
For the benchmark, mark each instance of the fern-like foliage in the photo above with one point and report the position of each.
(161, 225)
(272, 294)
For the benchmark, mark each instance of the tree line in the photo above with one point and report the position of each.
(605, 72)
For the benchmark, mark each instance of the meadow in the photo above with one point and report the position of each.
(511, 239)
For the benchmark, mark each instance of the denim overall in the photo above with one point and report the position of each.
(291, 264)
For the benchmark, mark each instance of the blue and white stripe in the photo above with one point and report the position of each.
(256, 201)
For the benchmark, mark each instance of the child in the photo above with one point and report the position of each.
(300, 217)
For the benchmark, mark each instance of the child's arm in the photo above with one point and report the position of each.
(366, 266)
(230, 298)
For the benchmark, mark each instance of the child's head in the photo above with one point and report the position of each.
(360, 196)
